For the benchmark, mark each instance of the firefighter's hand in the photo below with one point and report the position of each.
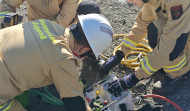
(122, 84)
(110, 63)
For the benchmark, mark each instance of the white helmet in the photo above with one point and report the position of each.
(98, 32)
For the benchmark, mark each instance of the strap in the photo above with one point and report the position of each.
(89, 53)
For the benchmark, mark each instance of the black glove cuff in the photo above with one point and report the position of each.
(112, 62)
(104, 72)
(134, 79)
(131, 81)
(119, 54)
(74, 103)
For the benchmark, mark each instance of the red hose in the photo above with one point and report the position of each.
(163, 98)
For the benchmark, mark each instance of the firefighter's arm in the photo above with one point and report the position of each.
(171, 45)
(10, 5)
(65, 78)
(5, 7)
(138, 31)
(8, 17)
(68, 12)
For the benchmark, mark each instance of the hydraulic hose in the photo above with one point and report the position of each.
(141, 50)
(47, 97)
(163, 98)
(60, 103)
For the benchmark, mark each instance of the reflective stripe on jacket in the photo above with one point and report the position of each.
(176, 67)
(3, 14)
(6, 106)
(129, 43)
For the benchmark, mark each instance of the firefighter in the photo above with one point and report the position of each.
(64, 12)
(42, 52)
(167, 26)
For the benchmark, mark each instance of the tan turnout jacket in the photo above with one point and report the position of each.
(36, 54)
(45, 9)
(172, 19)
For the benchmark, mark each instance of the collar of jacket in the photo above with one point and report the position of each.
(70, 40)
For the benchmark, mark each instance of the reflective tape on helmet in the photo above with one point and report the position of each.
(175, 67)
(6, 106)
(146, 66)
(2, 14)
(129, 43)
(106, 30)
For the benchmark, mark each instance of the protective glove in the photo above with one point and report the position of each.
(76, 103)
(151, 107)
(110, 63)
(122, 84)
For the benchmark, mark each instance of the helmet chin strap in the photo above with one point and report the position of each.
(88, 53)
(76, 54)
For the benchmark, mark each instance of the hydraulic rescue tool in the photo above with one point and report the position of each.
(101, 100)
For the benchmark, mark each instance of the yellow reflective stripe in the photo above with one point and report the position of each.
(142, 64)
(2, 14)
(149, 64)
(129, 43)
(7, 106)
(2, 106)
(146, 66)
(175, 67)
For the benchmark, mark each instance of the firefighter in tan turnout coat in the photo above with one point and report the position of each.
(166, 23)
(41, 52)
(64, 12)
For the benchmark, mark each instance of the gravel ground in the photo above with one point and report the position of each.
(121, 17)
